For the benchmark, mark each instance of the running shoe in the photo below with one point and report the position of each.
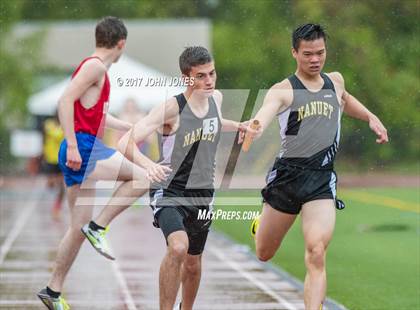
(254, 226)
(97, 240)
(53, 303)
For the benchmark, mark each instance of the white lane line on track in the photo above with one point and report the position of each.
(128, 299)
(252, 279)
(20, 222)
(105, 304)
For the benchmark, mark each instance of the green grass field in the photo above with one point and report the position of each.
(374, 259)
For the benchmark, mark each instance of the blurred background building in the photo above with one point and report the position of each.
(155, 43)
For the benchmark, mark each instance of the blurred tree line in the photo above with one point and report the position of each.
(16, 75)
(374, 44)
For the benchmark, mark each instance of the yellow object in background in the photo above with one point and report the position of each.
(53, 135)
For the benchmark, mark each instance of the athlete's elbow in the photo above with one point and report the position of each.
(65, 106)
(60, 105)
(62, 112)
(65, 100)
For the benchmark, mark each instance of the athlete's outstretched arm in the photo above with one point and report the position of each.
(227, 124)
(356, 109)
(89, 74)
(233, 126)
(274, 102)
(157, 118)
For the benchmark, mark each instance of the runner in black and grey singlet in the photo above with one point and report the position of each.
(191, 150)
(302, 180)
(188, 127)
(310, 133)
(310, 127)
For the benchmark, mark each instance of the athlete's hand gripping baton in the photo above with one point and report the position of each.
(248, 137)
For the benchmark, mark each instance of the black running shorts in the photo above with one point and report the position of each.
(176, 210)
(289, 187)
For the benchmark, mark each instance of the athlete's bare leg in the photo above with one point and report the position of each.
(81, 202)
(135, 185)
(57, 181)
(190, 275)
(272, 228)
(73, 239)
(170, 269)
(318, 221)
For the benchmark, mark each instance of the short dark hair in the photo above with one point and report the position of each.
(109, 31)
(308, 32)
(193, 56)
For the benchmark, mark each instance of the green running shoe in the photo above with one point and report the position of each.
(254, 226)
(53, 303)
(98, 241)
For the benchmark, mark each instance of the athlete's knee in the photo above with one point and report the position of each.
(315, 256)
(178, 249)
(192, 267)
(263, 253)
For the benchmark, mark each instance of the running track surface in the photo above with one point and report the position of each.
(232, 278)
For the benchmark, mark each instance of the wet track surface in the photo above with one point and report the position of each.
(232, 278)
